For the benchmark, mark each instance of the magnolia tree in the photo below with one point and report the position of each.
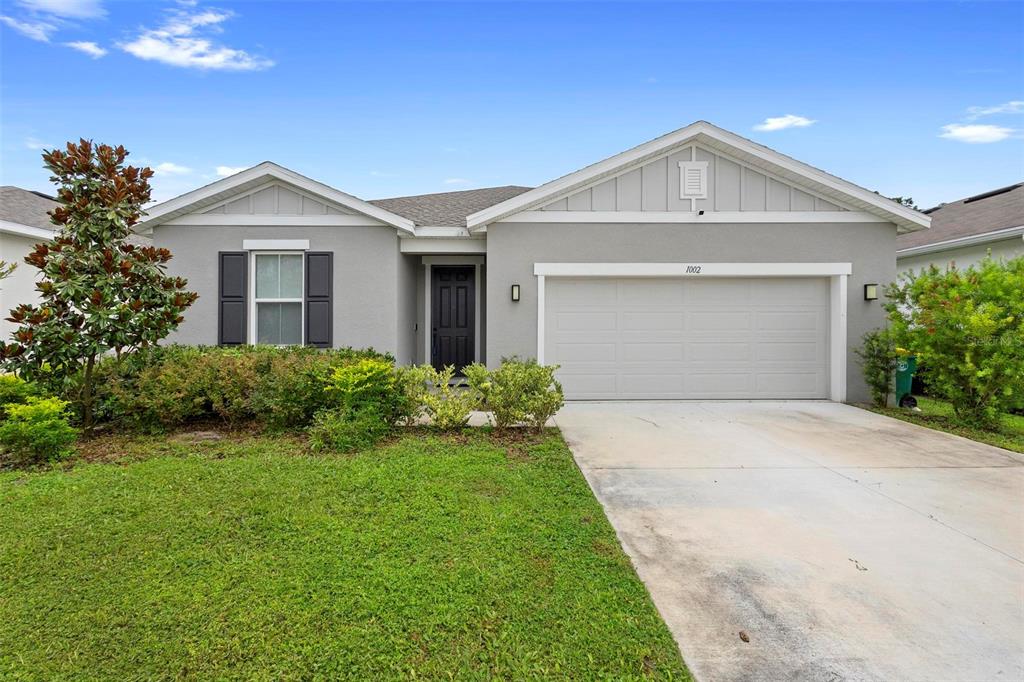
(967, 329)
(98, 292)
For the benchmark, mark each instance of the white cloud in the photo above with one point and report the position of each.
(72, 9)
(225, 171)
(88, 47)
(168, 168)
(456, 181)
(783, 122)
(36, 30)
(975, 133)
(179, 42)
(36, 145)
(1011, 107)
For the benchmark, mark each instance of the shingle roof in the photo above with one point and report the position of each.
(995, 210)
(25, 207)
(448, 208)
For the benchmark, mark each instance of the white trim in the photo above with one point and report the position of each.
(249, 178)
(958, 242)
(695, 269)
(453, 260)
(275, 245)
(838, 274)
(432, 245)
(541, 302)
(21, 230)
(250, 220)
(428, 263)
(641, 217)
(704, 133)
(253, 338)
(439, 231)
(838, 343)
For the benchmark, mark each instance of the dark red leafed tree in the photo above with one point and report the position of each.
(98, 292)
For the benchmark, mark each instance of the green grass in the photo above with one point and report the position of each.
(247, 558)
(938, 414)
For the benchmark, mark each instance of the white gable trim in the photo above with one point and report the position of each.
(211, 195)
(701, 133)
(641, 217)
(20, 230)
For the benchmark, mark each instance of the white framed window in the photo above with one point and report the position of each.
(693, 179)
(277, 297)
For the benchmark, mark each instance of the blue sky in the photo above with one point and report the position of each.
(384, 99)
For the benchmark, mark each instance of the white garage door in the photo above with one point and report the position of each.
(688, 338)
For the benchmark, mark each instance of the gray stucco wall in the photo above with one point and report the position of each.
(366, 277)
(513, 248)
(965, 257)
(409, 274)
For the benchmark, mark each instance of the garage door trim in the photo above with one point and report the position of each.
(838, 274)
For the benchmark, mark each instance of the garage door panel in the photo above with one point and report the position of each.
(688, 338)
(585, 352)
(718, 351)
(712, 321)
(653, 320)
(586, 321)
(789, 320)
(652, 352)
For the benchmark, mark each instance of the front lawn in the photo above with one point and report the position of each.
(246, 558)
(938, 414)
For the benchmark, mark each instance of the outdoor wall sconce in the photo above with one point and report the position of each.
(870, 292)
(515, 292)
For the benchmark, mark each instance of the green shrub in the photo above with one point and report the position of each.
(966, 328)
(447, 405)
(878, 359)
(518, 391)
(14, 390)
(37, 430)
(171, 386)
(413, 384)
(341, 430)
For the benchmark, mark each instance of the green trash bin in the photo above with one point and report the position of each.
(905, 368)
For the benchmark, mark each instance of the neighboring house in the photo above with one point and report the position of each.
(964, 232)
(23, 224)
(697, 265)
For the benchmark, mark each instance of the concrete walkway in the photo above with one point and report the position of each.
(843, 544)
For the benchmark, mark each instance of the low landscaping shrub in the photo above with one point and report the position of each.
(448, 405)
(36, 431)
(343, 430)
(878, 359)
(14, 390)
(518, 391)
(967, 329)
(174, 385)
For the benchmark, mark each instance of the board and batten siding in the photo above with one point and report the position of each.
(275, 200)
(654, 186)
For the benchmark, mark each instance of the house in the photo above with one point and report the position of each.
(697, 265)
(24, 222)
(963, 232)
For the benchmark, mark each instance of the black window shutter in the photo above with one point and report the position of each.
(319, 285)
(233, 269)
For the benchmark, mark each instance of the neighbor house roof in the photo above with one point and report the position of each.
(977, 219)
(715, 138)
(448, 209)
(24, 212)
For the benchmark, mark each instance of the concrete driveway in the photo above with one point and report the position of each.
(844, 544)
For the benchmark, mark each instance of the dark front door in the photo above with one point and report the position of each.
(452, 316)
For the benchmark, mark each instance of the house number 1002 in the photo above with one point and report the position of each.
(692, 269)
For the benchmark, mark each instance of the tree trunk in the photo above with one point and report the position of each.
(87, 393)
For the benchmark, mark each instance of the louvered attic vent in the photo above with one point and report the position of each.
(693, 179)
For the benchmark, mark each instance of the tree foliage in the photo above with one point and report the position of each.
(878, 359)
(967, 329)
(98, 292)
